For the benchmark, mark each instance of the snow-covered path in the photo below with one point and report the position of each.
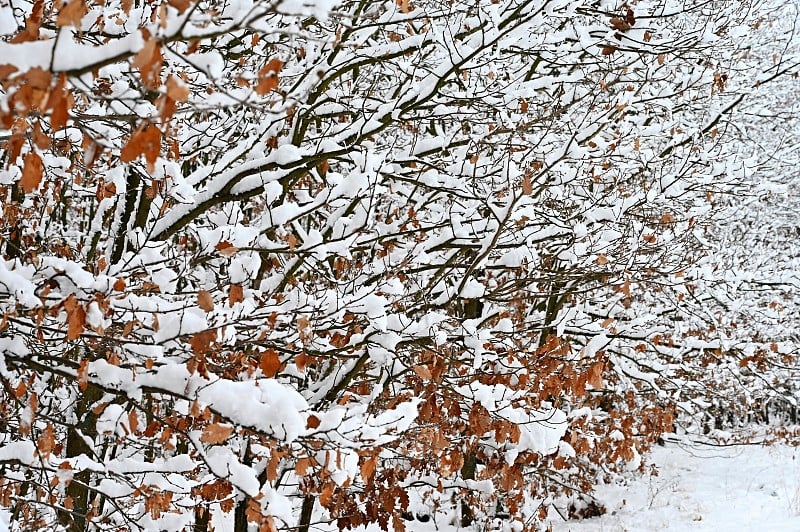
(736, 489)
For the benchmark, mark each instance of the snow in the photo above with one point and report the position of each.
(704, 488)
(7, 23)
(22, 451)
(14, 281)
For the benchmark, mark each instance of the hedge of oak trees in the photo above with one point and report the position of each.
(286, 264)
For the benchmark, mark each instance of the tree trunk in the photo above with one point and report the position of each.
(79, 489)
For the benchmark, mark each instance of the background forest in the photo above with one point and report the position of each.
(283, 265)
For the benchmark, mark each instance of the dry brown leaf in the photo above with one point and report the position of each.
(268, 77)
(596, 375)
(398, 523)
(527, 184)
(312, 422)
(626, 288)
(76, 317)
(99, 408)
(32, 24)
(302, 466)
(39, 138)
(368, 468)
(326, 495)
(216, 433)
(205, 301)
(201, 342)
(83, 374)
(149, 62)
(177, 90)
(72, 14)
(145, 141)
(6, 70)
(666, 219)
(226, 249)
(47, 441)
(180, 5)
(270, 363)
(20, 390)
(620, 24)
(423, 371)
(301, 361)
(235, 294)
(32, 172)
(272, 466)
(322, 167)
(133, 421)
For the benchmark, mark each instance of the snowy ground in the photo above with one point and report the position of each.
(737, 489)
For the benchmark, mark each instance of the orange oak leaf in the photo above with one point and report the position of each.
(272, 466)
(47, 441)
(527, 184)
(32, 172)
(6, 70)
(423, 371)
(270, 363)
(145, 141)
(76, 317)
(301, 468)
(32, 24)
(301, 361)
(205, 301)
(149, 62)
(326, 494)
(201, 342)
(312, 422)
(235, 294)
(368, 468)
(176, 89)
(596, 374)
(83, 374)
(72, 14)
(216, 433)
(133, 421)
(180, 5)
(20, 390)
(226, 249)
(268, 77)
